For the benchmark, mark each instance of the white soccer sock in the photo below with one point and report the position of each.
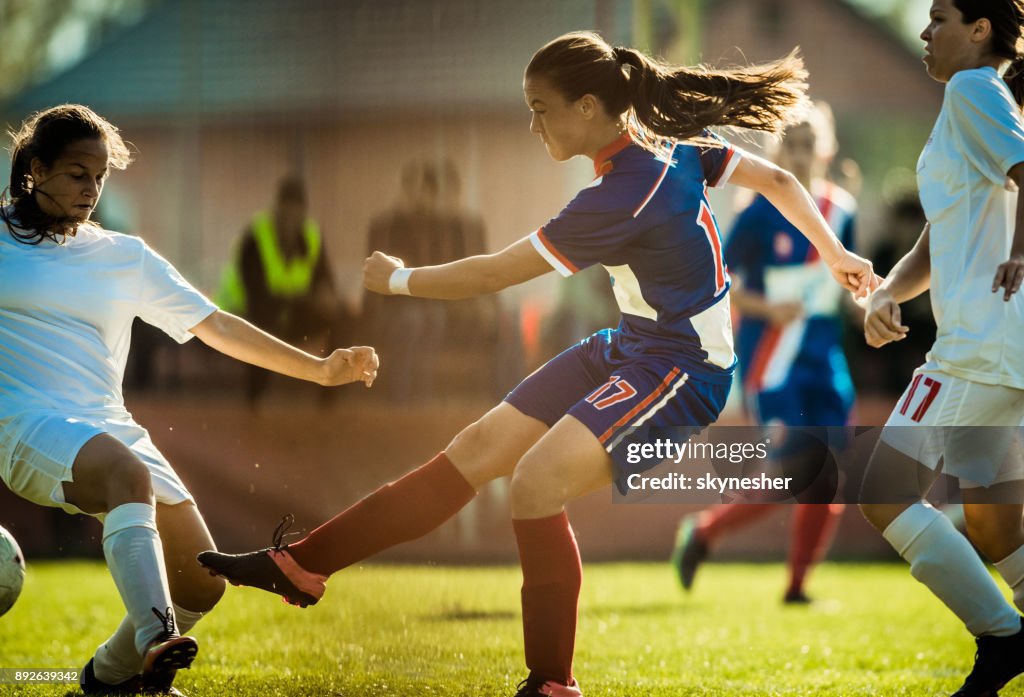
(1012, 570)
(135, 558)
(186, 619)
(942, 559)
(117, 659)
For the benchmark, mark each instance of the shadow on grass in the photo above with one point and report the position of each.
(661, 609)
(457, 613)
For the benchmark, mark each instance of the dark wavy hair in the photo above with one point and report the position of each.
(44, 136)
(666, 102)
(1007, 19)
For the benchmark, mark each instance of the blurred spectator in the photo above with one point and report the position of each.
(408, 332)
(281, 281)
(472, 324)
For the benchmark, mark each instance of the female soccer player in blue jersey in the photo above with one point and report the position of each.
(645, 217)
(69, 291)
(962, 409)
(789, 348)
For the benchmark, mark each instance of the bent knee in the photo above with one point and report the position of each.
(993, 539)
(129, 480)
(533, 488)
(479, 453)
(200, 594)
(879, 515)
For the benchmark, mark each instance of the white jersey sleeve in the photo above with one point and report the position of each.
(168, 301)
(987, 122)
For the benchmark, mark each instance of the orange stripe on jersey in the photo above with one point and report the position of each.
(654, 189)
(640, 407)
(724, 167)
(608, 151)
(707, 221)
(554, 252)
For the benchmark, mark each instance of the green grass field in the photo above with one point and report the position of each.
(453, 631)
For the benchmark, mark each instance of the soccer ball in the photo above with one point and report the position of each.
(12, 571)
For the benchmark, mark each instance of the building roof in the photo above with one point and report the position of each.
(257, 57)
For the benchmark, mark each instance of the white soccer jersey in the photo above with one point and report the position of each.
(961, 173)
(66, 313)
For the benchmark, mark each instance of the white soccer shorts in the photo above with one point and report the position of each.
(38, 449)
(971, 428)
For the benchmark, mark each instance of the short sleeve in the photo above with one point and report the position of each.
(987, 121)
(168, 301)
(718, 162)
(743, 243)
(596, 223)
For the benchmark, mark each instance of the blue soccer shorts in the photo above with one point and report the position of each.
(613, 395)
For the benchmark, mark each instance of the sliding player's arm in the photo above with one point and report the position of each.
(233, 336)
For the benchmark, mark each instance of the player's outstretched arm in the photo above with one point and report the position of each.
(235, 337)
(792, 200)
(1010, 274)
(464, 278)
(908, 279)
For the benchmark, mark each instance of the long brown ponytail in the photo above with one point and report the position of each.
(672, 102)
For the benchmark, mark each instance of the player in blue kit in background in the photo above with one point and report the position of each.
(792, 366)
(646, 219)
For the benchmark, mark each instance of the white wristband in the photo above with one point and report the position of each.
(398, 282)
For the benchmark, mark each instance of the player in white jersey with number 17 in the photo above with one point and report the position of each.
(961, 412)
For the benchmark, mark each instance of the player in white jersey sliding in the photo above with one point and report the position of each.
(961, 410)
(69, 291)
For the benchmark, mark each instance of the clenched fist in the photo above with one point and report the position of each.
(349, 365)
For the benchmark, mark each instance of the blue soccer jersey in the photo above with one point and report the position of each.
(774, 259)
(647, 220)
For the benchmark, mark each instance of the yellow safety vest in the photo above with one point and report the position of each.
(286, 278)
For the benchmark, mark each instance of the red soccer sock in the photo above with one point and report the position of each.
(813, 524)
(552, 574)
(397, 512)
(720, 520)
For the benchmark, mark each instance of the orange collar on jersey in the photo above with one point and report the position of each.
(601, 160)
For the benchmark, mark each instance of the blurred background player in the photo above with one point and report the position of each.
(961, 412)
(281, 280)
(645, 217)
(789, 349)
(69, 292)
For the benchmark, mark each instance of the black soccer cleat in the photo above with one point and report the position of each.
(166, 655)
(796, 597)
(997, 661)
(91, 685)
(689, 552)
(272, 569)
